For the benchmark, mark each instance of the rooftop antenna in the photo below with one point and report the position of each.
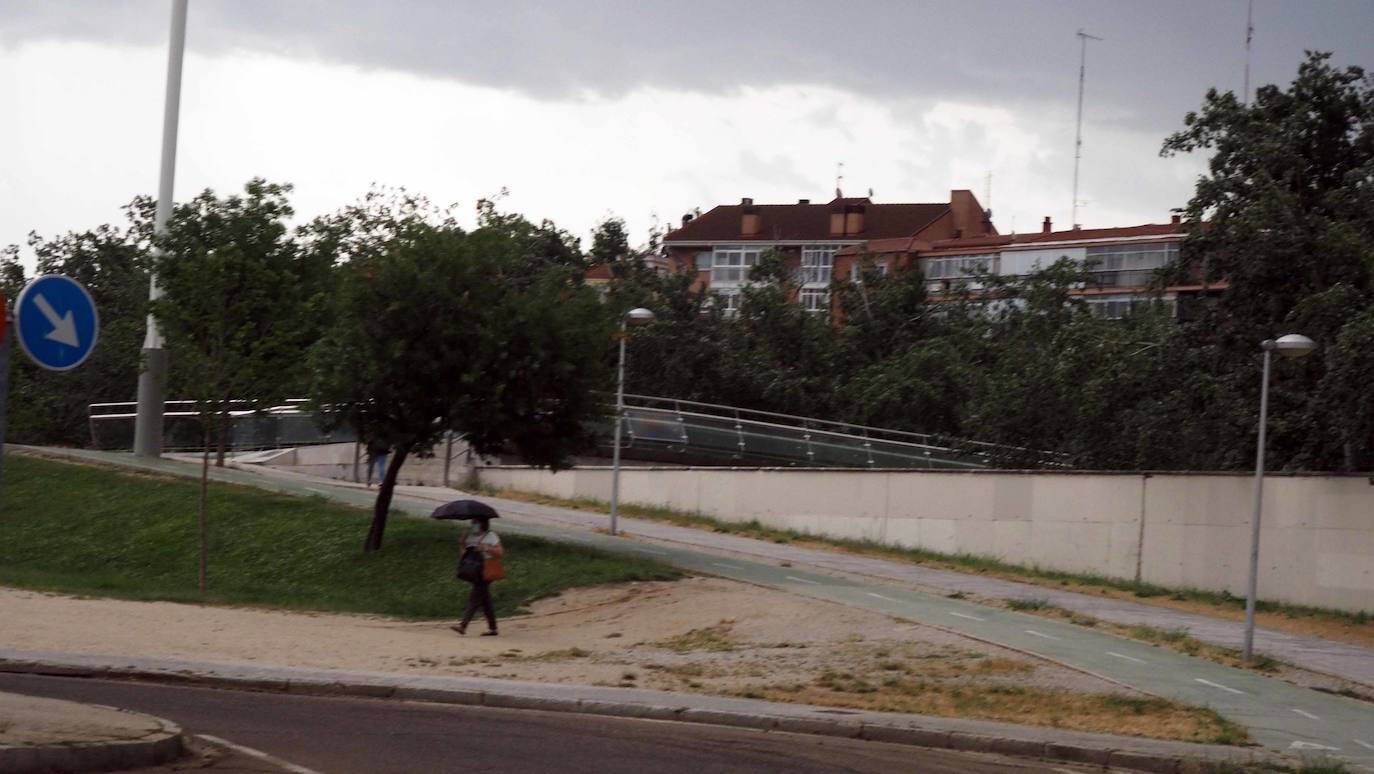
(1249, 33)
(1083, 38)
(839, 180)
(987, 191)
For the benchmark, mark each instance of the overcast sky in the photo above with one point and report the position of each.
(642, 110)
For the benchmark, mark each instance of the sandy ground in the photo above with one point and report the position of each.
(699, 634)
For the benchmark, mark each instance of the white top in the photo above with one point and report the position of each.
(481, 540)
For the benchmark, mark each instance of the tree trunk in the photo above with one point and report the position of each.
(223, 435)
(383, 505)
(200, 509)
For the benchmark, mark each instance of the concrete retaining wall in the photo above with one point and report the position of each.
(335, 461)
(1177, 530)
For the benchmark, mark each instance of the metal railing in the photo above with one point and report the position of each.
(739, 436)
(655, 428)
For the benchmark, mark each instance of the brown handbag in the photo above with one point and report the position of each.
(492, 569)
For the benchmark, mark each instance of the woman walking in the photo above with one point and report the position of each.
(481, 539)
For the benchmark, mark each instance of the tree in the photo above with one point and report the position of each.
(1289, 206)
(435, 328)
(230, 310)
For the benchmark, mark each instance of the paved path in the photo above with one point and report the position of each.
(1280, 716)
(602, 710)
(341, 735)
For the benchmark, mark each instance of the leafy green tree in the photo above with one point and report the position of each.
(230, 310)
(434, 328)
(234, 302)
(1289, 207)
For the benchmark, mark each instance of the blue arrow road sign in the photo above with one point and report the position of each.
(55, 322)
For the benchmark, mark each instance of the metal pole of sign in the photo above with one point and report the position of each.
(152, 378)
(4, 383)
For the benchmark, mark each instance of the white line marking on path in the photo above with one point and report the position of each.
(1307, 714)
(802, 580)
(1365, 745)
(880, 596)
(1218, 685)
(726, 566)
(1127, 658)
(259, 754)
(653, 551)
(1038, 634)
(1311, 746)
(965, 615)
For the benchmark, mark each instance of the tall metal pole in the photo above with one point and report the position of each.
(1083, 38)
(6, 324)
(1251, 585)
(619, 419)
(152, 379)
(1249, 33)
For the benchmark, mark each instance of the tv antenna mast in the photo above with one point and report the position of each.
(1249, 33)
(1083, 38)
(839, 180)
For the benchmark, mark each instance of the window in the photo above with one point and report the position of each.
(1129, 266)
(817, 262)
(732, 264)
(815, 299)
(728, 301)
(959, 267)
(704, 260)
(857, 270)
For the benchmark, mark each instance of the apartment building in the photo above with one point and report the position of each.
(1123, 262)
(724, 244)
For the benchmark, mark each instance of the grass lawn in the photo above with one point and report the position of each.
(103, 532)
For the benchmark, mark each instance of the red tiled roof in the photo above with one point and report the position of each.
(807, 221)
(1086, 234)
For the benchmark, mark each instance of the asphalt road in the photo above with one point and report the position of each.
(335, 735)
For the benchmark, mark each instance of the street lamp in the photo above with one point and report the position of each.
(1293, 345)
(637, 316)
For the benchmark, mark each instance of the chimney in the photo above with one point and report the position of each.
(803, 201)
(853, 219)
(1176, 219)
(1047, 226)
(750, 221)
(687, 218)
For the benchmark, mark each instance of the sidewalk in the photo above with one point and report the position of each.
(49, 735)
(1117, 752)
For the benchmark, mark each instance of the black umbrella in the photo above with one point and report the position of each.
(465, 509)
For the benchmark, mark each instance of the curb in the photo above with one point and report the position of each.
(163, 746)
(1143, 755)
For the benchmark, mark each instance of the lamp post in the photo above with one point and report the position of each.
(1293, 345)
(637, 316)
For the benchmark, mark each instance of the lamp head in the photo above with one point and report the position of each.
(639, 316)
(1292, 345)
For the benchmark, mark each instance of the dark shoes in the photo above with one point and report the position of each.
(463, 629)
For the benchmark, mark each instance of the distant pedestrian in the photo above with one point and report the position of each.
(377, 454)
(486, 544)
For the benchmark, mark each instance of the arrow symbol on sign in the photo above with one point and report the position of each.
(63, 328)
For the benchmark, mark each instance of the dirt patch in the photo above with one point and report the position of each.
(704, 635)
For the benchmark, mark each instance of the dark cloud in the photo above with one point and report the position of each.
(1155, 63)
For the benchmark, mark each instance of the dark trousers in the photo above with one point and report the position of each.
(480, 596)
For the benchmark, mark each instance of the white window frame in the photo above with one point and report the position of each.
(818, 264)
(731, 264)
(814, 299)
(728, 299)
(1130, 265)
(857, 268)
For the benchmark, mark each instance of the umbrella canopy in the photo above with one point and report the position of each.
(465, 509)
